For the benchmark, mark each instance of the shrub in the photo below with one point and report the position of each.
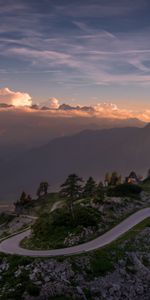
(61, 217)
(86, 216)
(33, 290)
(43, 225)
(50, 230)
(101, 263)
(125, 189)
(4, 218)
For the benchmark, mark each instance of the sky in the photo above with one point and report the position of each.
(93, 52)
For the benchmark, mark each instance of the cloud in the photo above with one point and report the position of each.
(113, 8)
(16, 99)
(21, 102)
(101, 110)
(52, 103)
(103, 107)
(52, 58)
(8, 7)
(49, 38)
(95, 55)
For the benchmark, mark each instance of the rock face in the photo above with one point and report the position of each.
(124, 283)
(72, 278)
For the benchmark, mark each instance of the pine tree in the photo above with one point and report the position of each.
(114, 178)
(71, 189)
(100, 192)
(23, 198)
(89, 188)
(107, 179)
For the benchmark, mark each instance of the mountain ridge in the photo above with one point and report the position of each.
(90, 152)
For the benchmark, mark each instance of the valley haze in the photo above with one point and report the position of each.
(89, 152)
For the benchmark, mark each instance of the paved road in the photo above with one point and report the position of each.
(28, 216)
(11, 245)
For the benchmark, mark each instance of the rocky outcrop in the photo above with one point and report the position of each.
(75, 239)
(73, 279)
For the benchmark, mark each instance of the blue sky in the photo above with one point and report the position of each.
(78, 51)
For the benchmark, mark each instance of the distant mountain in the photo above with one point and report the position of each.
(67, 107)
(78, 108)
(21, 131)
(91, 152)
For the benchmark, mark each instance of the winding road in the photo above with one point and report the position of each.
(11, 245)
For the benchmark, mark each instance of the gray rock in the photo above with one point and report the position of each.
(46, 279)
(81, 293)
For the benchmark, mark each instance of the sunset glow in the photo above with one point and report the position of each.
(83, 53)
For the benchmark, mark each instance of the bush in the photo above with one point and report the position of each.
(43, 225)
(83, 217)
(5, 218)
(60, 220)
(61, 217)
(33, 290)
(18, 260)
(50, 230)
(86, 216)
(101, 263)
(125, 190)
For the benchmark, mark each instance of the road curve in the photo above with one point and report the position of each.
(11, 245)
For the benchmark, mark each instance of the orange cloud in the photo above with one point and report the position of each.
(52, 103)
(17, 99)
(21, 101)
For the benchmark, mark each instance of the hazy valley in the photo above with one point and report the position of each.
(87, 152)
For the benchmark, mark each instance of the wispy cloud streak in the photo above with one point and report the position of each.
(82, 43)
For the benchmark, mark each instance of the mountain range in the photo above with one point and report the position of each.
(90, 152)
(22, 131)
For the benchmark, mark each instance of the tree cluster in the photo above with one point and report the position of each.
(73, 189)
(112, 179)
(26, 198)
